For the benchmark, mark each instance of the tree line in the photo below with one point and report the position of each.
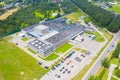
(101, 16)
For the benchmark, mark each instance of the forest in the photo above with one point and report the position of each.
(103, 17)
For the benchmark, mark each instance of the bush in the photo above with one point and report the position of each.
(117, 72)
(105, 63)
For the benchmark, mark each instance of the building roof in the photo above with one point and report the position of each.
(68, 32)
(41, 45)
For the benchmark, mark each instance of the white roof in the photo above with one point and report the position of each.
(40, 27)
(49, 35)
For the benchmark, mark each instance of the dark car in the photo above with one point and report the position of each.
(39, 63)
(63, 72)
(82, 55)
(69, 72)
(63, 67)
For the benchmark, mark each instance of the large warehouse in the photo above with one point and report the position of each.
(51, 34)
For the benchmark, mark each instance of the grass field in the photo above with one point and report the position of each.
(15, 64)
(115, 8)
(75, 16)
(8, 13)
(115, 61)
(112, 78)
(25, 39)
(52, 56)
(63, 48)
(82, 50)
(98, 38)
(106, 33)
(32, 51)
(2, 3)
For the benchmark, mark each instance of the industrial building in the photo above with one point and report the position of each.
(51, 34)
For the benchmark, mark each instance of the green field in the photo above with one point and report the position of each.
(15, 64)
(116, 8)
(112, 78)
(115, 61)
(52, 56)
(63, 48)
(38, 14)
(106, 33)
(75, 16)
(98, 38)
(82, 50)
(25, 39)
(32, 51)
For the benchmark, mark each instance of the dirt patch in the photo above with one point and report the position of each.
(8, 13)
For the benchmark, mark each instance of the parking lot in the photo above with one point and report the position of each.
(89, 44)
(68, 67)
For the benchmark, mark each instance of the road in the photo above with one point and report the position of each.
(93, 70)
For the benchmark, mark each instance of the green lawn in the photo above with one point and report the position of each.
(98, 38)
(106, 33)
(116, 52)
(25, 39)
(32, 51)
(15, 64)
(115, 8)
(115, 61)
(112, 78)
(75, 16)
(52, 56)
(63, 48)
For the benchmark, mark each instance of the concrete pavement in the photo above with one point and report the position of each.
(111, 69)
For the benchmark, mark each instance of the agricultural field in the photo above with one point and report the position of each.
(15, 64)
(8, 13)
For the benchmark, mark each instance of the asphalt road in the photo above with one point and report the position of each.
(93, 70)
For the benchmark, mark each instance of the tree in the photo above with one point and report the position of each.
(117, 51)
(26, 15)
(91, 77)
(117, 72)
(100, 15)
(105, 63)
